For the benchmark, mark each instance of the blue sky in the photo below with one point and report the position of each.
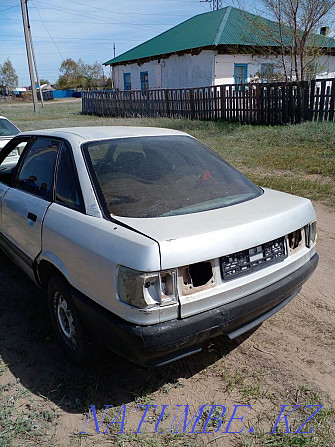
(87, 29)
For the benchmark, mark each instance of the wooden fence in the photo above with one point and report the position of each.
(276, 103)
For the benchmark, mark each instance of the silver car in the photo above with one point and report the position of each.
(7, 131)
(147, 241)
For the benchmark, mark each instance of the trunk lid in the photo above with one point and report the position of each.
(191, 238)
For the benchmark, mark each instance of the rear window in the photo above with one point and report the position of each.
(164, 176)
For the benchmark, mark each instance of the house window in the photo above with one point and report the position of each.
(144, 81)
(127, 81)
(267, 71)
(240, 73)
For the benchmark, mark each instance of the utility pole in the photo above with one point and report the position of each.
(112, 69)
(34, 58)
(28, 47)
(216, 4)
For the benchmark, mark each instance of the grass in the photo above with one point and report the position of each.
(298, 159)
(22, 426)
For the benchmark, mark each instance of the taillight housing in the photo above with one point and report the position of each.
(146, 290)
(310, 233)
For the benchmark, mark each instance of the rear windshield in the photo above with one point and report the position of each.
(164, 176)
(7, 128)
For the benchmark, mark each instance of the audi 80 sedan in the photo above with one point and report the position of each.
(147, 241)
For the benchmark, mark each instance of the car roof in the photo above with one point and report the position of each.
(102, 132)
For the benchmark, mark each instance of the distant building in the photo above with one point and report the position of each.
(19, 90)
(226, 46)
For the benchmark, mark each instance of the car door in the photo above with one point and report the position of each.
(25, 203)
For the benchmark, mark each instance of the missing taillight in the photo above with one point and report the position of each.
(200, 273)
(294, 239)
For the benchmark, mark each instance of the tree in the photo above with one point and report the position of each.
(80, 75)
(69, 74)
(300, 45)
(8, 77)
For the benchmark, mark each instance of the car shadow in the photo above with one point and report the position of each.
(31, 352)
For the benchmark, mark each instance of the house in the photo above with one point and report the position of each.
(225, 46)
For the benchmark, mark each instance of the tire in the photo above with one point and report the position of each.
(66, 321)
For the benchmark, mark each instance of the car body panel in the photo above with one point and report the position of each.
(22, 217)
(106, 245)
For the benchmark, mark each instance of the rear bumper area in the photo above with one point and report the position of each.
(165, 342)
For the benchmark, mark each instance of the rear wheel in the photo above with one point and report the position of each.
(66, 321)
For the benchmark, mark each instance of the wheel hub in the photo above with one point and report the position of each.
(65, 319)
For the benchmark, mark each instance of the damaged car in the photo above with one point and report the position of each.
(147, 241)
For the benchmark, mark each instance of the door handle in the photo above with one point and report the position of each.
(32, 217)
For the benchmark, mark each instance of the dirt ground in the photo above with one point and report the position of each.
(289, 360)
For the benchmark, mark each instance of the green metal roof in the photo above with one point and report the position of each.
(226, 26)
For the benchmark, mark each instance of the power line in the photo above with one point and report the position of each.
(10, 7)
(48, 31)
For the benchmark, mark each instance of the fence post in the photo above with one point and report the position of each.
(167, 105)
(305, 99)
(322, 99)
(332, 101)
(192, 103)
(311, 100)
(223, 102)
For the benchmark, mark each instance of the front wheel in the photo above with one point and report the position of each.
(66, 321)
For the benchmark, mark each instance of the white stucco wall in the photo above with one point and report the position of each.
(224, 67)
(205, 69)
(326, 65)
(225, 63)
(173, 72)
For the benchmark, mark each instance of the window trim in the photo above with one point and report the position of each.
(142, 74)
(82, 209)
(99, 193)
(125, 83)
(236, 65)
(10, 147)
(33, 139)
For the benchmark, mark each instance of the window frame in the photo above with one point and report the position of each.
(144, 83)
(12, 145)
(23, 157)
(82, 209)
(127, 81)
(107, 214)
(238, 65)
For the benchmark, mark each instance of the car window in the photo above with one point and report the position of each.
(36, 173)
(67, 187)
(164, 176)
(9, 159)
(7, 128)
